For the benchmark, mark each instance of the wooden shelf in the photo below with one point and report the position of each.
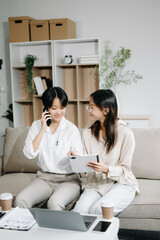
(74, 65)
(66, 65)
(88, 64)
(23, 67)
(24, 101)
(84, 100)
(37, 96)
(72, 100)
(78, 80)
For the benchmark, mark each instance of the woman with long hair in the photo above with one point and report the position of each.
(113, 141)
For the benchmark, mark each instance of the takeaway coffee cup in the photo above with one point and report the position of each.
(107, 210)
(6, 201)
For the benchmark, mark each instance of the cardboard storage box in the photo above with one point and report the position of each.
(62, 28)
(19, 29)
(39, 30)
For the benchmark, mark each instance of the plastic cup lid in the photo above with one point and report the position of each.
(6, 196)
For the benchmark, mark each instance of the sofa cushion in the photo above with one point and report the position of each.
(15, 182)
(13, 157)
(146, 157)
(147, 203)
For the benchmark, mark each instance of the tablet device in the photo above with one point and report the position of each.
(78, 163)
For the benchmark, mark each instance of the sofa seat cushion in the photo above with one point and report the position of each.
(147, 204)
(15, 182)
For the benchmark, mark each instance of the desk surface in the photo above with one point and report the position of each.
(39, 233)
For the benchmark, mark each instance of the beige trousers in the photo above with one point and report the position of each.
(60, 189)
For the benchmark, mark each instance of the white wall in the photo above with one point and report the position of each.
(130, 23)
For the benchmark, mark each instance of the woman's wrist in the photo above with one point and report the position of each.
(106, 170)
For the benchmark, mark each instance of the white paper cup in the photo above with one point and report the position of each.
(6, 201)
(107, 210)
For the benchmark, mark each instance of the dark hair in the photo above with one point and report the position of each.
(106, 99)
(50, 94)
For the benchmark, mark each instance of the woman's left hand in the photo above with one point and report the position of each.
(98, 166)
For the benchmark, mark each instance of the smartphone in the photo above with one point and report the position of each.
(101, 226)
(49, 121)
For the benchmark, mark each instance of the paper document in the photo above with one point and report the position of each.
(17, 219)
(78, 163)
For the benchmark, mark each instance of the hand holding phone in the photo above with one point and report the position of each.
(49, 121)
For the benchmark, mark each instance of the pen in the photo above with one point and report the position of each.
(57, 143)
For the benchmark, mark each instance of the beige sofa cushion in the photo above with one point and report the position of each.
(13, 157)
(146, 158)
(146, 205)
(15, 182)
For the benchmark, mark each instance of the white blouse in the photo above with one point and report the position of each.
(53, 149)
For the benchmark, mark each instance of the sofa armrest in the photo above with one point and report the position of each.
(0, 165)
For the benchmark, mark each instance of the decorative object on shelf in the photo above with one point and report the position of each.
(29, 63)
(9, 113)
(39, 85)
(68, 59)
(90, 59)
(111, 72)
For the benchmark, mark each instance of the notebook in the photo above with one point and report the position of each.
(62, 219)
(17, 219)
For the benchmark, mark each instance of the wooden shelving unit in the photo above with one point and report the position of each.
(25, 111)
(78, 80)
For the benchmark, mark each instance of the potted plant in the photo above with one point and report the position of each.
(29, 63)
(112, 67)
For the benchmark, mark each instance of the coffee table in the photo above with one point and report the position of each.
(39, 233)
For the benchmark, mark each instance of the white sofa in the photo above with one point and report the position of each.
(16, 172)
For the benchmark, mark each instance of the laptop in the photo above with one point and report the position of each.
(62, 219)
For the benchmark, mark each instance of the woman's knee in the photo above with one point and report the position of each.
(22, 202)
(80, 207)
(55, 205)
(87, 199)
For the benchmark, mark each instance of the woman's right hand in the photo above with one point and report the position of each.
(72, 153)
(37, 140)
(45, 116)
